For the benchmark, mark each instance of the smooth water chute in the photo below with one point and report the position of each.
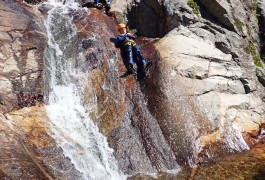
(70, 124)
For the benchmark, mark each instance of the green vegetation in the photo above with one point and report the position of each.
(239, 24)
(257, 61)
(194, 6)
(251, 49)
(1, 101)
(134, 31)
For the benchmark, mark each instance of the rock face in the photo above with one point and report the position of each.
(206, 86)
(208, 77)
(261, 18)
(243, 165)
(22, 47)
(27, 150)
(120, 108)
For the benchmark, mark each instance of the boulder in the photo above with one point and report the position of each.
(211, 80)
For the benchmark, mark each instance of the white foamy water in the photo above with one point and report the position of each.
(70, 125)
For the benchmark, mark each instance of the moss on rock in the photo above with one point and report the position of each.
(194, 6)
(239, 24)
(251, 49)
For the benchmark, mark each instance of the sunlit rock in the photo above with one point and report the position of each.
(202, 98)
(27, 150)
(23, 43)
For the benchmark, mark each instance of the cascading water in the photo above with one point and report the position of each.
(70, 124)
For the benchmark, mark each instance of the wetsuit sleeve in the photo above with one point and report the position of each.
(130, 36)
(121, 38)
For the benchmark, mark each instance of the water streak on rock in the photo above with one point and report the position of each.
(72, 127)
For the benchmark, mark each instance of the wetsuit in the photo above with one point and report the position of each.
(104, 2)
(131, 49)
(97, 1)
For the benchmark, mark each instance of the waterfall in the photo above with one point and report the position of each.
(70, 124)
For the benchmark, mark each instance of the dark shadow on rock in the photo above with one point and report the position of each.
(206, 15)
(148, 18)
(260, 175)
(261, 21)
(246, 85)
(261, 77)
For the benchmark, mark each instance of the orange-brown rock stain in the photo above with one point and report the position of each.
(28, 136)
(28, 150)
(255, 137)
(31, 125)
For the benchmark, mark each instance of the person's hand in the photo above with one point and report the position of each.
(129, 35)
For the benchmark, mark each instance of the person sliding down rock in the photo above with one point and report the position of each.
(126, 41)
(105, 3)
(98, 4)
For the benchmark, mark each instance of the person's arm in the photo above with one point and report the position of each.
(130, 36)
(121, 38)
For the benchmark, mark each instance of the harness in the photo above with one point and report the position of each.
(129, 43)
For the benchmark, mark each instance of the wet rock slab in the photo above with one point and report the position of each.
(245, 165)
(120, 108)
(27, 151)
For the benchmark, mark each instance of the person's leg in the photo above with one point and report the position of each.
(127, 61)
(139, 55)
(107, 8)
(140, 60)
(129, 54)
(129, 58)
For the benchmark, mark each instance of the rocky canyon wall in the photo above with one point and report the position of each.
(211, 65)
(203, 97)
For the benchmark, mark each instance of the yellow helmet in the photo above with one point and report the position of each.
(120, 26)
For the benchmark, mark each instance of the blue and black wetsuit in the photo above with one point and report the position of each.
(97, 1)
(107, 6)
(131, 49)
